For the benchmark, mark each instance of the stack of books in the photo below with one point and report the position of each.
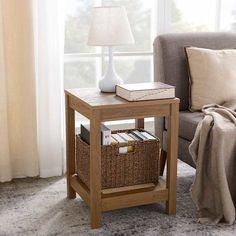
(124, 138)
(129, 137)
(145, 91)
(134, 135)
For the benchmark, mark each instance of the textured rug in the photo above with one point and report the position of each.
(39, 207)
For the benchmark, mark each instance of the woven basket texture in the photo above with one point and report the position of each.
(117, 170)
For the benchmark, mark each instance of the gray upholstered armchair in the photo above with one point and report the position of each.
(170, 67)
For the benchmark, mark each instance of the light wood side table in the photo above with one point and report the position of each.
(99, 107)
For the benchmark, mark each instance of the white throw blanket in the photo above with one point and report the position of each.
(213, 149)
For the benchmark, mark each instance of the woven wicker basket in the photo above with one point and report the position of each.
(118, 170)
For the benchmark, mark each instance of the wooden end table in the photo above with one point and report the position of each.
(99, 107)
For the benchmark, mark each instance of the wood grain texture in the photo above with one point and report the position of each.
(80, 188)
(80, 107)
(134, 111)
(70, 147)
(139, 123)
(160, 193)
(172, 152)
(127, 189)
(94, 98)
(95, 170)
(162, 161)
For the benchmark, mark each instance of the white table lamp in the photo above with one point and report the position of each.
(110, 27)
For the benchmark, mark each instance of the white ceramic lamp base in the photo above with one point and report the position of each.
(110, 79)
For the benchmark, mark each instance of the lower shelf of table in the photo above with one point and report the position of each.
(124, 197)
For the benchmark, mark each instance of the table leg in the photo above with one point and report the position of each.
(162, 161)
(95, 171)
(139, 123)
(172, 152)
(70, 147)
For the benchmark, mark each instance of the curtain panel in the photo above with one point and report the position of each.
(49, 46)
(31, 75)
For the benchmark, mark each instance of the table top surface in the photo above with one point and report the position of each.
(94, 98)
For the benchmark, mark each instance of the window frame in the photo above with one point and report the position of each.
(101, 53)
(161, 24)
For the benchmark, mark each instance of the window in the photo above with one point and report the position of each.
(85, 65)
(201, 15)
(193, 15)
(227, 12)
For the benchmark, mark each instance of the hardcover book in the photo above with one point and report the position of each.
(126, 137)
(113, 141)
(119, 139)
(148, 136)
(139, 135)
(145, 91)
(105, 134)
(134, 137)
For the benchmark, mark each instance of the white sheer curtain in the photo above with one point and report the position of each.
(31, 91)
(49, 37)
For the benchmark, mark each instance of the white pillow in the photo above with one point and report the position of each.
(212, 76)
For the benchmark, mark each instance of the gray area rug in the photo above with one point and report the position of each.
(39, 207)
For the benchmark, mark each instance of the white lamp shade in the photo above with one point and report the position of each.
(109, 27)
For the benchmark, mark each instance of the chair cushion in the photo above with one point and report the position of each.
(183, 150)
(212, 76)
(188, 122)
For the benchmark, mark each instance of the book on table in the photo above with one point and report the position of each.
(145, 91)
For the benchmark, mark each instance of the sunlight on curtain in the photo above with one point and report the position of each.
(5, 163)
(31, 87)
(49, 39)
(18, 156)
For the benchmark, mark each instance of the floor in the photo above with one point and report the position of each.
(39, 207)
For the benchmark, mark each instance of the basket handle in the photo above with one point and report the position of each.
(124, 150)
